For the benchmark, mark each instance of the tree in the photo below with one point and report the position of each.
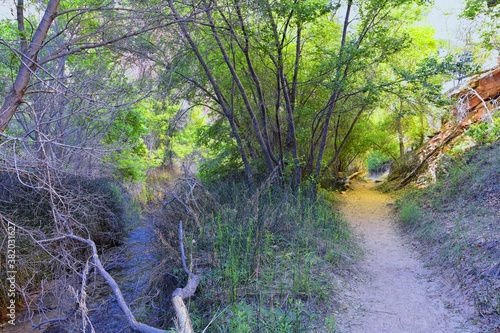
(288, 86)
(489, 12)
(67, 107)
(272, 84)
(407, 103)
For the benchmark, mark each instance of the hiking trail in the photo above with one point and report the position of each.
(393, 292)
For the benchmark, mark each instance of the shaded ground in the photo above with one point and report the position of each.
(394, 292)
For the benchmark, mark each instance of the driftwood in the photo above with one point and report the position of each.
(179, 294)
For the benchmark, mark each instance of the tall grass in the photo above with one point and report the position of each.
(274, 253)
(270, 261)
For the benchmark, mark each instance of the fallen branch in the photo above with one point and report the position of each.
(179, 294)
(354, 175)
(133, 323)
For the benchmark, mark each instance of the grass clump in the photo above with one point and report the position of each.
(268, 260)
(410, 214)
(458, 218)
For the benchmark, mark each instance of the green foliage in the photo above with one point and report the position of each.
(272, 254)
(223, 157)
(485, 132)
(184, 141)
(242, 318)
(305, 11)
(129, 158)
(242, 315)
(410, 214)
(9, 62)
(475, 8)
(151, 134)
(377, 160)
(487, 12)
(316, 67)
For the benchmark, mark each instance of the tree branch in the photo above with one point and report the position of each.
(179, 294)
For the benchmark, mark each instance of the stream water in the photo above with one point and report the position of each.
(131, 268)
(130, 265)
(380, 174)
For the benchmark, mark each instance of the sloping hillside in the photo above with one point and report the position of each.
(458, 221)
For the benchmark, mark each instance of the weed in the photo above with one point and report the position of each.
(331, 324)
(410, 213)
(271, 254)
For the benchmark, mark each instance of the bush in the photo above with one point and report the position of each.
(484, 132)
(410, 214)
(94, 207)
(377, 162)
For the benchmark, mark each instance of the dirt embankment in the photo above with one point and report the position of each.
(394, 292)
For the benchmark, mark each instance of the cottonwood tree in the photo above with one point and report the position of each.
(291, 78)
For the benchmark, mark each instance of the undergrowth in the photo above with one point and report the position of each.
(458, 219)
(268, 260)
(94, 208)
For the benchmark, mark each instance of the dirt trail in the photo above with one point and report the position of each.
(394, 293)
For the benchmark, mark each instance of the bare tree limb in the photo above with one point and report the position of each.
(134, 324)
(179, 294)
(15, 96)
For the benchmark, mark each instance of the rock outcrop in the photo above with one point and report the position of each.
(476, 101)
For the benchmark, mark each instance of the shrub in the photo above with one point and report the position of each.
(377, 162)
(410, 214)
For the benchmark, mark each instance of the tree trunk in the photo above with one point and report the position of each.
(241, 88)
(334, 96)
(260, 93)
(291, 140)
(228, 113)
(28, 61)
(400, 138)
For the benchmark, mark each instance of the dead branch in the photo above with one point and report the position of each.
(134, 324)
(179, 294)
(486, 108)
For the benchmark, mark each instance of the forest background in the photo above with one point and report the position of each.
(104, 103)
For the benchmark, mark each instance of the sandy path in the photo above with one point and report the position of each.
(395, 294)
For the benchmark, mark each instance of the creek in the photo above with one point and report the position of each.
(130, 264)
(131, 267)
